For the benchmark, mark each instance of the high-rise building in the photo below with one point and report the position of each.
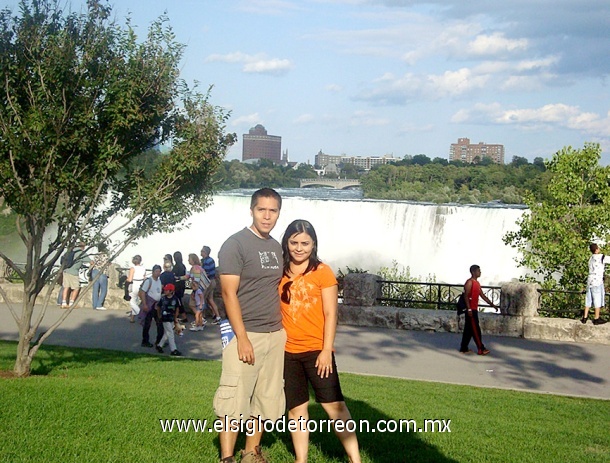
(464, 151)
(258, 145)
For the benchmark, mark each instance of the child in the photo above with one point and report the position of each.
(196, 303)
(167, 310)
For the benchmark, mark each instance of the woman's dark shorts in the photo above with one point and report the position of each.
(299, 370)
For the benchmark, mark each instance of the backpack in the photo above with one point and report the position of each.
(461, 304)
(68, 259)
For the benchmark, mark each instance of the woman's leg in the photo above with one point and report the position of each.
(338, 411)
(300, 438)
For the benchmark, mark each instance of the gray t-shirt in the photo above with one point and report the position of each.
(258, 262)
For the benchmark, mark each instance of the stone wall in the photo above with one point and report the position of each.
(518, 315)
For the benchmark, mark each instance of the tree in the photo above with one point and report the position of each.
(554, 236)
(421, 159)
(519, 161)
(81, 99)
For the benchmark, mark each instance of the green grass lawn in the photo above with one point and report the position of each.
(84, 405)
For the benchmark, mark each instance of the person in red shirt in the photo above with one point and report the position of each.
(472, 329)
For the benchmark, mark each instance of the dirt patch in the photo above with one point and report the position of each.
(5, 374)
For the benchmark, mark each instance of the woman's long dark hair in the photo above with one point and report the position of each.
(296, 227)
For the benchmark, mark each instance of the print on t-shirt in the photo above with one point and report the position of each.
(269, 260)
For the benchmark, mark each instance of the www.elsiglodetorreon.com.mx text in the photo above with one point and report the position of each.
(284, 424)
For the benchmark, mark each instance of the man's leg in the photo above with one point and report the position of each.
(467, 334)
(146, 328)
(160, 330)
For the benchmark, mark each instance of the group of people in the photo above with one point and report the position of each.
(73, 261)
(281, 302)
(159, 296)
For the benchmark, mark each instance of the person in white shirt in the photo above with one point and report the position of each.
(595, 294)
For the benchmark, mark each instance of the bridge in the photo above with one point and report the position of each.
(336, 183)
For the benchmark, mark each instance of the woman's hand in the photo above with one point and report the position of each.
(324, 363)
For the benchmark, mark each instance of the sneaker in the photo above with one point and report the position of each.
(159, 348)
(230, 459)
(583, 320)
(146, 344)
(193, 323)
(181, 333)
(176, 353)
(466, 351)
(71, 304)
(599, 321)
(100, 308)
(64, 305)
(483, 352)
(253, 457)
(217, 321)
(196, 328)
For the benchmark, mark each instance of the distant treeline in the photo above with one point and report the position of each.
(415, 179)
(438, 181)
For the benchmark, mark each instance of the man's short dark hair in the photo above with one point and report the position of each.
(474, 268)
(593, 247)
(265, 193)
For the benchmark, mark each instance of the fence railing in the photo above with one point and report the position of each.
(418, 295)
(563, 304)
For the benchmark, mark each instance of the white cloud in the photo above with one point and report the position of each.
(249, 120)
(367, 119)
(546, 117)
(304, 119)
(333, 88)
(270, 66)
(495, 44)
(258, 64)
(389, 89)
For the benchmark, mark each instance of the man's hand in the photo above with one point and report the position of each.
(245, 350)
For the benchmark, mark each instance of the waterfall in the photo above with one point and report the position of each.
(432, 240)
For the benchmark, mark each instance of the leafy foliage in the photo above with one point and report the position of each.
(439, 182)
(82, 98)
(554, 236)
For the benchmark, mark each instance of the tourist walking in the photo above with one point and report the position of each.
(137, 274)
(209, 266)
(167, 311)
(99, 276)
(472, 329)
(150, 294)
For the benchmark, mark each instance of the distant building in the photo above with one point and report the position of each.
(327, 161)
(464, 151)
(258, 145)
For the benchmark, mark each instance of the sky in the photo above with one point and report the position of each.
(399, 77)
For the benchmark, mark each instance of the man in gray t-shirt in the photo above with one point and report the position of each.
(251, 383)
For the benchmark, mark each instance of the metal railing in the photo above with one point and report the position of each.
(555, 303)
(418, 295)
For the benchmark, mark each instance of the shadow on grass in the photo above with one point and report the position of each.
(378, 447)
(55, 359)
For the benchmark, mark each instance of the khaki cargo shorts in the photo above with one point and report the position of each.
(253, 390)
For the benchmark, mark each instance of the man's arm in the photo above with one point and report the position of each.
(467, 293)
(230, 285)
(486, 299)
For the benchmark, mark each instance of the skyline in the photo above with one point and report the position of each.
(400, 77)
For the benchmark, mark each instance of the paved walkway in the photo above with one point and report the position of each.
(535, 366)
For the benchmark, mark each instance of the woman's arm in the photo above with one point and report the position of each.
(324, 363)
